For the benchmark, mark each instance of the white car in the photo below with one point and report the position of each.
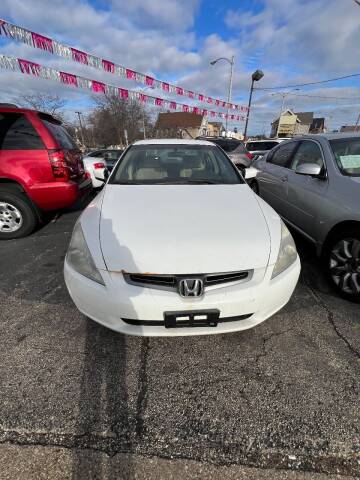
(96, 162)
(177, 243)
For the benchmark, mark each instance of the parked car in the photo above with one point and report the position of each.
(220, 258)
(313, 182)
(258, 148)
(95, 162)
(234, 148)
(40, 169)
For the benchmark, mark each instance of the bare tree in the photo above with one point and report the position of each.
(45, 102)
(113, 115)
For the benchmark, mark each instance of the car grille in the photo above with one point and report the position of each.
(170, 282)
(161, 323)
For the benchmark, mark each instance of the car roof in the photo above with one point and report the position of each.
(172, 141)
(332, 136)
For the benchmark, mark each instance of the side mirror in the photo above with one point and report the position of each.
(311, 169)
(104, 177)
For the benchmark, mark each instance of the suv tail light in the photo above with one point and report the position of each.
(59, 164)
(99, 165)
(249, 155)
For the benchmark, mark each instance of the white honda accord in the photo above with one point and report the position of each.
(178, 244)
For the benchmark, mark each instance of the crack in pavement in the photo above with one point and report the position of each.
(331, 318)
(263, 352)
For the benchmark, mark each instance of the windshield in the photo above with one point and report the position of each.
(347, 155)
(254, 146)
(175, 164)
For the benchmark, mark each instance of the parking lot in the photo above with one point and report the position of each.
(277, 401)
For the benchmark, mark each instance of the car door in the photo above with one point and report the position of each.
(306, 193)
(273, 177)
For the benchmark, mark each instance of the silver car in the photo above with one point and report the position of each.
(313, 182)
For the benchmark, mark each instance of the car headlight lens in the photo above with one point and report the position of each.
(79, 257)
(287, 252)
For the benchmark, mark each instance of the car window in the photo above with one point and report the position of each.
(175, 164)
(347, 155)
(17, 133)
(228, 145)
(95, 154)
(282, 155)
(61, 135)
(253, 146)
(308, 152)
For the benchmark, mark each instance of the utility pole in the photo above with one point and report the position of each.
(255, 77)
(81, 128)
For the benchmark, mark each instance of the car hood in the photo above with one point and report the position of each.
(182, 229)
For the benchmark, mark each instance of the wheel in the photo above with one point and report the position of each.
(254, 186)
(343, 264)
(17, 217)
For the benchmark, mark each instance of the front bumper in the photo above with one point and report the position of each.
(261, 297)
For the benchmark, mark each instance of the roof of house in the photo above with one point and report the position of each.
(179, 119)
(216, 124)
(305, 117)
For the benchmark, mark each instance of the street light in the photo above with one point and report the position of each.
(231, 61)
(255, 77)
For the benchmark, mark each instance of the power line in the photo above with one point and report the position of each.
(320, 96)
(310, 83)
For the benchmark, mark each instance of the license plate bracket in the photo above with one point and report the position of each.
(192, 318)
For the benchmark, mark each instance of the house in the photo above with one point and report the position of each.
(350, 129)
(318, 125)
(291, 123)
(303, 125)
(284, 126)
(181, 125)
(215, 129)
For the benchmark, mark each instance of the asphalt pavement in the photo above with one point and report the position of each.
(78, 401)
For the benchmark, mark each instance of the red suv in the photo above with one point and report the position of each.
(40, 169)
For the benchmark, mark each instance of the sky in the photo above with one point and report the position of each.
(292, 41)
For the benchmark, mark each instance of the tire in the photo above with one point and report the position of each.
(254, 186)
(17, 217)
(342, 263)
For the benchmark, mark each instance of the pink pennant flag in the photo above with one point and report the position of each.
(179, 91)
(159, 102)
(213, 113)
(108, 66)
(217, 102)
(196, 110)
(124, 93)
(2, 27)
(173, 105)
(149, 81)
(68, 78)
(224, 104)
(98, 87)
(232, 117)
(210, 100)
(204, 112)
(142, 97)
(130, 74)
(165, 86)
(79, 56)
(185, 108)
(30, 68)
(191, 94)
(42, 42)
(201, 97)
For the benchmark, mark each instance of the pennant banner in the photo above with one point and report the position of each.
(56, 48)
(35, 69)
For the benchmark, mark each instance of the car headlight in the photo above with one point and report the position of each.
(79, 257)
(287, 252)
